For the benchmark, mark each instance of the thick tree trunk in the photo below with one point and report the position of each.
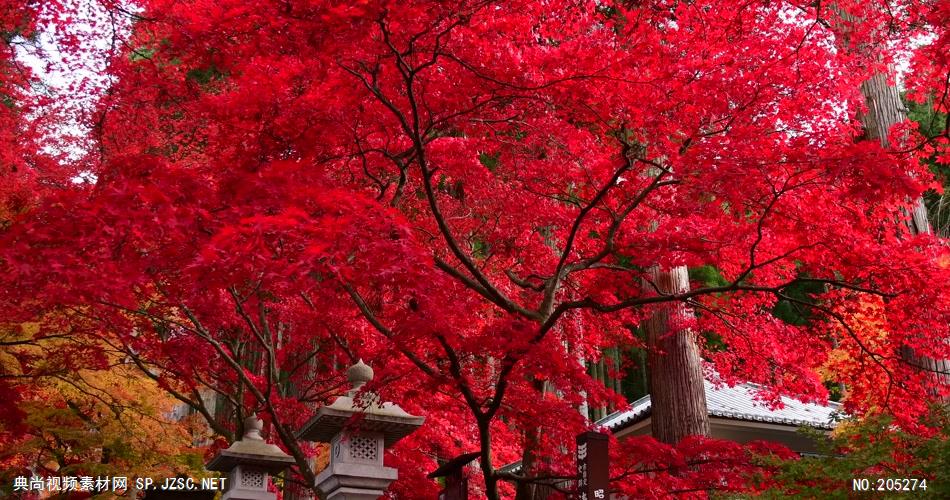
(677, 396)
(886, 109)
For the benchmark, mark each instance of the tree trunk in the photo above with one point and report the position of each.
(886, 109)
(524, 490)
(677, 395)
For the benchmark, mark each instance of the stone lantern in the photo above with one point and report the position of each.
(356, 470)
(249, 463)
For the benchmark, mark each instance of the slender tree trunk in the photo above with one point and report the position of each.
(677, 395)
(526, 491)
(485, 461)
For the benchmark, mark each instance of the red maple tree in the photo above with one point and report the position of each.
(472, 195)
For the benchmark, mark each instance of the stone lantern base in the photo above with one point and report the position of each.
(344, 481)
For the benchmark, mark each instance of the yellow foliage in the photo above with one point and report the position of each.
(111, 421)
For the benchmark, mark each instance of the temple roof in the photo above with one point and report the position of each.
(737, 403)
(734, 403)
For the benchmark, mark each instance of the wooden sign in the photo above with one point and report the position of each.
(593, 466)
(456, 484)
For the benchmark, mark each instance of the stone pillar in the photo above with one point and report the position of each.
(359, 431)
(249, 463)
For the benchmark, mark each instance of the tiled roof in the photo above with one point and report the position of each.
(737, 403)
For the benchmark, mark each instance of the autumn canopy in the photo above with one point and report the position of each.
(479, 199)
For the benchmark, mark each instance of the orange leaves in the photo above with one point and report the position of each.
(863, 352)
(94, 420)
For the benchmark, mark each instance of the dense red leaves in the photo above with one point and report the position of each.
(467, 194)
(17, 190)
(645, 468)
(929, 79)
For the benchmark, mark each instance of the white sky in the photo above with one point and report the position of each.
(75, 80)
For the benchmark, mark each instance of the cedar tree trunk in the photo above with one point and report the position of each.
(677, 396)
(886, 109)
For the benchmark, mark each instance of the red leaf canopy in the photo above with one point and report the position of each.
(470, 194)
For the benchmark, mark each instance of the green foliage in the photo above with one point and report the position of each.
(205, 76)
(480, 249)
(793, 312)
(933, 123)
(142, 54)
(635, 383)
(707, 275)
(871, 449)
(489, 161)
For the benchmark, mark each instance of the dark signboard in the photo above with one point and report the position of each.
(456, 488)
(456, 484)
(593, 466)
